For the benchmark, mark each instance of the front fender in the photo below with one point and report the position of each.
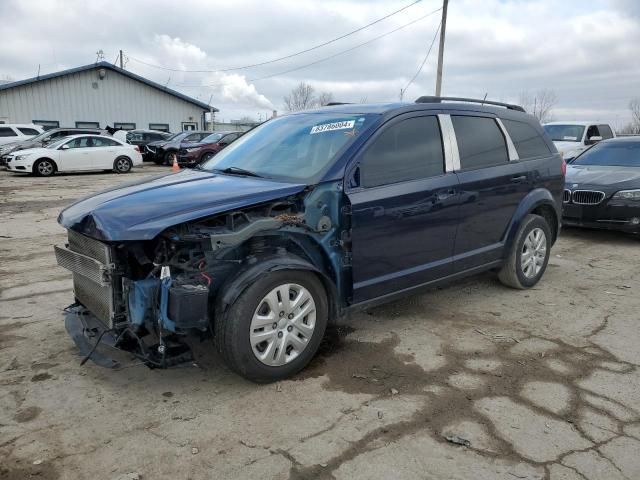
(533, 200)
(233, 287)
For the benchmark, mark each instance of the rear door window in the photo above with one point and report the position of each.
(480, 142)
(593, 131)
(408, 150)
(526, 139)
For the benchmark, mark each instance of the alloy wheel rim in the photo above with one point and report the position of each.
(534, 252)
(122, 165)
(45, 168)
(282, 324)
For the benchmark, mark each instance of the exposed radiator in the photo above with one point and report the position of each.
(91, 262)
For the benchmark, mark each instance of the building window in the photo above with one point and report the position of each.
(189, 126)
(47, 124)
(124, 125)
(162, 127)
(87, 124)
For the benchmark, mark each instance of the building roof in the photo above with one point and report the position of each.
(107, 66)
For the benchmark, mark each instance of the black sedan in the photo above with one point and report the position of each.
(602, 187)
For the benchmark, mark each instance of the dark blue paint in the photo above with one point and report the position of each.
(142, 210)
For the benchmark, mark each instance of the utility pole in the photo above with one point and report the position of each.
(443, 27)
(121, 60)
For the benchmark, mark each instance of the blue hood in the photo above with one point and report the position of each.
(141, 210)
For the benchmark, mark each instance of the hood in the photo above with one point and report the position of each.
(194, 144)
(564, 147)
(141, 210)
(10, 147)
(157, 143)
(603, 176)
(29, 151)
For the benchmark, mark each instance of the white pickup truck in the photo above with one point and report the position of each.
(572, 138)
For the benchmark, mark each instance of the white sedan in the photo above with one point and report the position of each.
(76, 153)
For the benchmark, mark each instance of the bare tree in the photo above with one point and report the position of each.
(6, 78)
(301, 98)
(634, 106)
(325, 98)
(539, 104)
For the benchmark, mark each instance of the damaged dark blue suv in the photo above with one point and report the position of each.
(305, 218)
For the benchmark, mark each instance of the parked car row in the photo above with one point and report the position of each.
(190, 148)
(76, 153)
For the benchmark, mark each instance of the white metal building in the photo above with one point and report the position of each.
(99, 95)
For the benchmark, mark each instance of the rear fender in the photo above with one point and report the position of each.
(533, 200)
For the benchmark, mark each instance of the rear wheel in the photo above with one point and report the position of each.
(274, 328)
(44, 167)
(529, 255)
(122, 165)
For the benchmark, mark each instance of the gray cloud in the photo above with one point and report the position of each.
(588, 54)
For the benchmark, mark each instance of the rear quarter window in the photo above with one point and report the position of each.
(480, 142)
(28, 131)
(7, 132)
(528, 142)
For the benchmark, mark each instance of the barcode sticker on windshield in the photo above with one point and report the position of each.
(328, 127)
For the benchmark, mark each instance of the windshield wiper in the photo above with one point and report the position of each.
(239, 171)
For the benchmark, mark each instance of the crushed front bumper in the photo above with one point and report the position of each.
(110, 349)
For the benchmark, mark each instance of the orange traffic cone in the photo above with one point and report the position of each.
(175, 167)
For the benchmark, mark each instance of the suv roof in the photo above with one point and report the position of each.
(427, 103)
(17, 125)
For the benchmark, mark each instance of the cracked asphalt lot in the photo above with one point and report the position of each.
(473, 381)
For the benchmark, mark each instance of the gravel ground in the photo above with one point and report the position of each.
(473, 381)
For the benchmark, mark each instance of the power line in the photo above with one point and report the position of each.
(425, 59)
(325, 58)
(315, 47)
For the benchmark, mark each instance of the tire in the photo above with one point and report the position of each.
(286, 348)
(207, 156)
(534, 242)
(44, 167)
(168, 158)
(122, 165)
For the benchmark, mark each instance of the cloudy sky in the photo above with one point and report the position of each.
(587, 52)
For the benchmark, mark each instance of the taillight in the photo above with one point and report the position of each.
(136, 148)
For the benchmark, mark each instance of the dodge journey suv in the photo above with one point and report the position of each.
(304, 219)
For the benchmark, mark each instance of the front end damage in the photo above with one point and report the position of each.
(147, 297)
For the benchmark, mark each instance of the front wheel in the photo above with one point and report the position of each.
(274, 328)
(529, 255)
(44, 167)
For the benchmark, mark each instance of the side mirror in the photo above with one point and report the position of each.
(592, 140)
(64, 147)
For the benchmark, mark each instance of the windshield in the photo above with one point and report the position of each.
(57, 143)
(565, 133)
(614, 154)
(213, 138)
(295, 147)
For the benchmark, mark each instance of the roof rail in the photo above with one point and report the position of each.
(333, 104)
(431, 99)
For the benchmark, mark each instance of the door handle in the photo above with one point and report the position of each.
(520, 179)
